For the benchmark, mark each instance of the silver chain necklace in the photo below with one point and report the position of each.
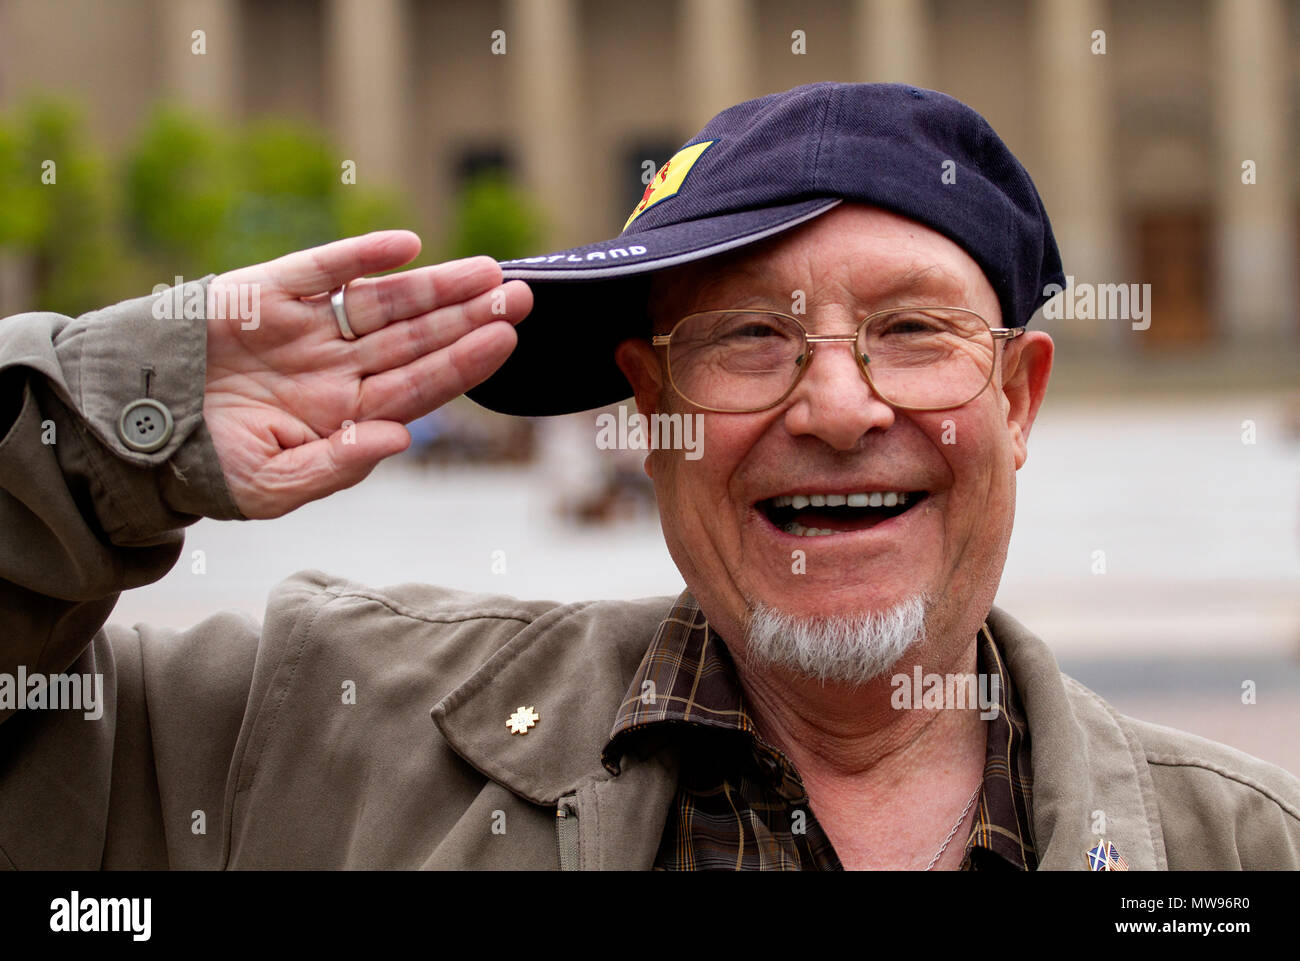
(948, 840)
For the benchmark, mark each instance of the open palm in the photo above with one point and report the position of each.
(296, 412)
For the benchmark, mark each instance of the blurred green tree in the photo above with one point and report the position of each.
(178, 183)
(493, 216)
(202, 199)
(191, 195)
(55, 218)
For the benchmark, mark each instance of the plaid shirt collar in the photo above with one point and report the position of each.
(687, 684)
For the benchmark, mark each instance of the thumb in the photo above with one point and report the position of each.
(322, 467)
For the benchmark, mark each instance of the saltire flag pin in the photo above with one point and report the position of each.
(1105, 857)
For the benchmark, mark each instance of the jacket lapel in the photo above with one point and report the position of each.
(1090, 775)
(573, 665)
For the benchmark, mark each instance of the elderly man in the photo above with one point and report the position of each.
(836, 281)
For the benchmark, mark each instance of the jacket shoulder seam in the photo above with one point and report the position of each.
(1176, 760)
(450, 617)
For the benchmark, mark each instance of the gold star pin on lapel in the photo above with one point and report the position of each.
(523, 718)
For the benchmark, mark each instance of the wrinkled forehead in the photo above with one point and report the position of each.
(869, 257)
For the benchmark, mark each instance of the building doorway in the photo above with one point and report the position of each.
(1174, 257)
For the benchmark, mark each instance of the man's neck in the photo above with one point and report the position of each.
(848, 732)
(887, 785)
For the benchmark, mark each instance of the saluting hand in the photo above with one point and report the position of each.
(279, 395)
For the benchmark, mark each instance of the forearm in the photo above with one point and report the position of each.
(85, 513)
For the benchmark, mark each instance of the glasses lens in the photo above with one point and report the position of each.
(928, 357)
(735, 360)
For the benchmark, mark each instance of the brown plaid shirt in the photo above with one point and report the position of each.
(741, 804)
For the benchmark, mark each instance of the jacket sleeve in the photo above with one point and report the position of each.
(84, 515)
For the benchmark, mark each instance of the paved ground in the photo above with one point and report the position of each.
(1201, 535)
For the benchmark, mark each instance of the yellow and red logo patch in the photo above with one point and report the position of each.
(669, 178)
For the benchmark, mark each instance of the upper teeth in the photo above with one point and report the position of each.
(871, 499)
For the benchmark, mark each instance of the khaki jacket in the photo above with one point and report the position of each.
(364, 728)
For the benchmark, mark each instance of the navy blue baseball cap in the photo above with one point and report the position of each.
(755, 170)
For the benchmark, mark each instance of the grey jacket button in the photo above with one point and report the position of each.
(145, 425)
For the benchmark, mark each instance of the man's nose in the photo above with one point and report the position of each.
(833, 400)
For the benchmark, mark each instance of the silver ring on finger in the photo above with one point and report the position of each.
(341, 313)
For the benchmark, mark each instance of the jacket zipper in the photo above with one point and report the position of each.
(566, 832)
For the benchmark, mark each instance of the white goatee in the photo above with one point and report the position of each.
(835, 649)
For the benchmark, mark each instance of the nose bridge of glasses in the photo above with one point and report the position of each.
(829, 374)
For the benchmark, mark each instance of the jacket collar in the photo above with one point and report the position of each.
(1090, 774)
(687, 683)
(574, 665)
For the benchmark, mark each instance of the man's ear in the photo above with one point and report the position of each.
(1026, 368)
(640, 365)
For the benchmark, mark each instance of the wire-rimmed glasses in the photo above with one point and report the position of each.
(914, 358)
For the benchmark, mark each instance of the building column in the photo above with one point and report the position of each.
(207, 81)
(366, 79)
(1075, 128)
(1256, 243)
(543, 51)
(892, 42)
(717, 57)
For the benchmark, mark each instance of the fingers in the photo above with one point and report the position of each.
(402, 342)
(413, 390)
(324, 268)
(322, 467)
(373, 303)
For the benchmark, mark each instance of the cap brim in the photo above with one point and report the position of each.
(589, 299)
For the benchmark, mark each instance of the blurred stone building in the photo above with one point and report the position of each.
(1139, 119)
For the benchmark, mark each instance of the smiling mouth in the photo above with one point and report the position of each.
(819, 515)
